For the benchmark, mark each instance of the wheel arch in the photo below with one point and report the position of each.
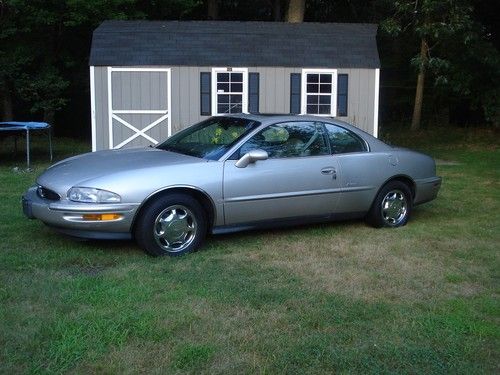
(407, 180)
(200, 195)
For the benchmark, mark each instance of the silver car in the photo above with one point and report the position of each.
(232, 173)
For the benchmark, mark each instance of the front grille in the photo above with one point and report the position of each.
(45, 193)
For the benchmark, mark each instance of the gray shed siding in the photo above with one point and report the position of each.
(130, 92)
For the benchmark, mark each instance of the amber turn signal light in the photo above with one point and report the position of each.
(101, 217)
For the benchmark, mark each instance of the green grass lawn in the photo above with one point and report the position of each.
(337, 297)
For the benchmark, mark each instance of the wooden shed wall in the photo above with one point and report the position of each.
(274, 97)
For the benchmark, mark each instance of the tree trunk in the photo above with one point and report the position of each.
(296, 9)
(419, 93)
(277, 10)
(213, 9)
(353, 10)
(6, 113)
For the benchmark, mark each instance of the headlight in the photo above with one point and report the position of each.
(91, 195)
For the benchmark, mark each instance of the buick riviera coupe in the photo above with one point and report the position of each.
(232, 173)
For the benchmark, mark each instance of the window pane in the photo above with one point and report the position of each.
(325, 88)
(325, 99)
(324, 109)
(236, 87)
(236, 99)
(222, 77)
(343, 141)
(312, 99)
(209, 139)
(235, 108)
(312, 109)
(312, 78)
(223, 99)
(236, 77)
(223, 86)
(312, 88)
(222, 108)
(326, 78)
(294, 139)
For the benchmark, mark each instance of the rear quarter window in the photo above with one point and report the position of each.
(343, 141)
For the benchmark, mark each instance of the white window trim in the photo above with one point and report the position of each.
(92, 109)
(375, 103)
(303, 99)
(244, 106)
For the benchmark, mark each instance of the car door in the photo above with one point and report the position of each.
(361, 169)
(299, 179)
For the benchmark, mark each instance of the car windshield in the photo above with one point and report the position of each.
(209, 139)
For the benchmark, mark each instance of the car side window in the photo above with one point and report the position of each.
(289, 140)
(343, 141)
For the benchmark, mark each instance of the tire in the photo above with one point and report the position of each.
(392, 206)
(171, 225)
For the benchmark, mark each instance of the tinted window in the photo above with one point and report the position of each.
(292, 139)
(344, 141)
(209, 139)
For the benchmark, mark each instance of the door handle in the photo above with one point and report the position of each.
(329, 171)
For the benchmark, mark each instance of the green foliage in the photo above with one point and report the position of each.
(459, 57)
(44, 46)
(39, 45)
(45, 90)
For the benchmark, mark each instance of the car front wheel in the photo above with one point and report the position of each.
(392, 206)
(171, 225)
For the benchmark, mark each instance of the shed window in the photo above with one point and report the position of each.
(319, 92)
(230, 90)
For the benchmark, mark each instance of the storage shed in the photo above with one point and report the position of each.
(150, 79)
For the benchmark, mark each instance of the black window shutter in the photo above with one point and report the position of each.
(205, 94)
(295, 84)
(342, 88)
(253, 92)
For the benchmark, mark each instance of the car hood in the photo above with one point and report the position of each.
(78, 169)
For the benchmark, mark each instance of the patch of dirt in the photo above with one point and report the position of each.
(446, 162)
(93, 270)
(388, 267)
(79, 268)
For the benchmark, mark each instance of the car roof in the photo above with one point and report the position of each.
(269, 118)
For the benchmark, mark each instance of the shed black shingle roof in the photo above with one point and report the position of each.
(228, 43)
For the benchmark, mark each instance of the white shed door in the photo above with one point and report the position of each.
(139, 106)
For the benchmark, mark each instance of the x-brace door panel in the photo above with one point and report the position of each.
(139, 106)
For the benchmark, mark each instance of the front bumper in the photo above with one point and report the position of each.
(66, 216)
(426, 189)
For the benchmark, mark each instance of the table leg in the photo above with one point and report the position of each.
(28, 147)
(50, 143)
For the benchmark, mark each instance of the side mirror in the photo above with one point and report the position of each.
(251, 157)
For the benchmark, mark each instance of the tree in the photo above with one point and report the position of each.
(432, 23)
(40, 46)
(213, 9)
(296, 10)
(276, 6)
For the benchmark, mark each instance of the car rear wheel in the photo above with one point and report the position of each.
(392, 206)
(171, 225)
